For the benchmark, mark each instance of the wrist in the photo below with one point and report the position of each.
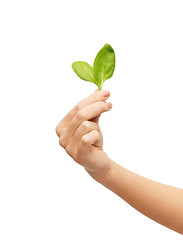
(103, 175)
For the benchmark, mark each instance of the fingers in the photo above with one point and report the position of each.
(96, 119)
(87, 141)
(83, 129)
(72, 145)
(87, 113)
(95, 97)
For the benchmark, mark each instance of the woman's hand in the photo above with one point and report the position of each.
(79, 133)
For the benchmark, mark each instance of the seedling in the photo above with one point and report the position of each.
(103, 67)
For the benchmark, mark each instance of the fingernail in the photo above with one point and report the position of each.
(106, 93)
(109, 105)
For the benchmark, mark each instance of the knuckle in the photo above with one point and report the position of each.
(96, 96)
(58, 131)
(68, 149)
(96, 134)
(59, 128)
(89, 126)
(62, 142)
(80, 115)
(84, 140)
(77, 157)
(105, 107)
(102, 105)
(85, 125)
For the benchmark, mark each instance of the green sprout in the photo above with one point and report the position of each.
(103, 67)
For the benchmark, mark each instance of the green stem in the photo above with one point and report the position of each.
(100, 86)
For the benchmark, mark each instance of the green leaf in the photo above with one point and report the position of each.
(104, 65)
(83, 70)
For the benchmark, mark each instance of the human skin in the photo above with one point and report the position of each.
(80, 135)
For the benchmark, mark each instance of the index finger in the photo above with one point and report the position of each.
(95, 97)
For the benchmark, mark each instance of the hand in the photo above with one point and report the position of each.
(79, 133)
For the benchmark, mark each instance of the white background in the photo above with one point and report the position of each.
(44, 194)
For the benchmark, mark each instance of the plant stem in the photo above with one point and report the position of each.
(100, 86)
